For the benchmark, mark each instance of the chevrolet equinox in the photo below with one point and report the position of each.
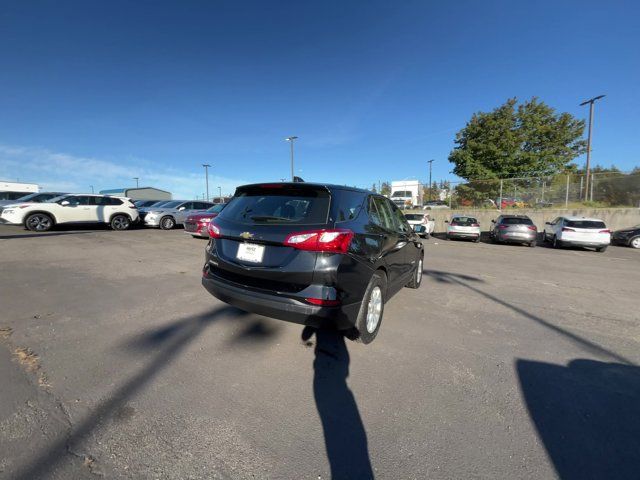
(314, 254)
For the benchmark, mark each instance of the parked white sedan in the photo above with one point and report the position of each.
(118, 212)
(463, 226)
(579, 232)
(420, 223)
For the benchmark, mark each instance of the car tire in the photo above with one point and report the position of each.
(416, 278)
(545, 238)
(39, 222)
(601, 249)
(476, 240)
(167, 223)
(556, 243)
(532, 244)
(120, 222)
(367, 327)
(635, 242)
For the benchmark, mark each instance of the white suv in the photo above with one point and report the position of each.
(579, 232)
(118, 212)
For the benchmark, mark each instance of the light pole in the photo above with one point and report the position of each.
(591, 101)
(136, 179)
(430, 162)
(91, 186)
(291, 140)
(220, 192)
(206, 175)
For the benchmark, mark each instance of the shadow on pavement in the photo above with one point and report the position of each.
(587, 415)
(41, 235)
(456, 278)
(344, 434)
(168, 343)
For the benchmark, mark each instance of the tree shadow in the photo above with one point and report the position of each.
(344, 434)
(169, 342)
(587, 415)
(459, 279)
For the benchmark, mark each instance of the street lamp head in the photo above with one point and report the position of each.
(290, 139)
(591, 100)
(206, 165)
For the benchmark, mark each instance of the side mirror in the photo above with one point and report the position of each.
(65, 203)
(181, 209)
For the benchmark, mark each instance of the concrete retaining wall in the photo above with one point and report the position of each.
(615, 218)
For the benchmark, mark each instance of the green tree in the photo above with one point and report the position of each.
(385, 188)
(517, 140)
(374, 189)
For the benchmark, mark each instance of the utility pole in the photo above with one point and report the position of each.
(91, 186)
(220, 192)
(206, 174)
(591, 101)
(291, 140)
(136, 179)
(430, 162)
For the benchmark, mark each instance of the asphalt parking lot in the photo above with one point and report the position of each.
(509, 362)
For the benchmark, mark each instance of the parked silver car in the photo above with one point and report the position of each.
(173, 213)
(514, 229)
(463, 226)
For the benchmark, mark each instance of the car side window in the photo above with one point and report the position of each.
(401, 224)
(350, 204)
(79, 200)
(186, 206)
(385, 215)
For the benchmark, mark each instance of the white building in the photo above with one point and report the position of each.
(14, 190)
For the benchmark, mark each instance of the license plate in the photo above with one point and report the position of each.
(516, 234)
(250, 252)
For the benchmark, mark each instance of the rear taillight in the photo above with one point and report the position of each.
(605, 231)
(475, 224)
(565, 229)
(214, 230)
(532, 227)
(322, 302)
(336, 241)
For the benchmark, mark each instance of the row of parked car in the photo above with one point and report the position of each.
(40, 212)
(562, 231)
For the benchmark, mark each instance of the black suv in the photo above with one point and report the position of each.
(314, 254)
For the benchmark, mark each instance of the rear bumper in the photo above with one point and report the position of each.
(279, 307)
(578, 243)
(463, 234)
(196, 230)
(528, 237)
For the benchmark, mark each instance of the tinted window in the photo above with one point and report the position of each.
(464, 221)
(279, 204)
(516, 221)
(168, 204)
(401, 193)
(106, 201)
(401, 224)
(584, 224)
(414, 216)
(381, 214)
(79, 200)
(349, 205)
(216, 208)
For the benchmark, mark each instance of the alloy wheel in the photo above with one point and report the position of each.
(374, 309)
(39, 223)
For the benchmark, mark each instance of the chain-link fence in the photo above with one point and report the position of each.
(605, 189)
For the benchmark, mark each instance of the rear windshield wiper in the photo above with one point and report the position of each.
(267, 218)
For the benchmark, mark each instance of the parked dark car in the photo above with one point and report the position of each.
(314, 254)
(629, 237)
(514, 229)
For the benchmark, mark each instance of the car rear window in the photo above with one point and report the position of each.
(584, 224)
(463, 221)
(516, 221)
(414, 216)
(278, 204)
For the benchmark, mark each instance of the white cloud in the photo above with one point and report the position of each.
(63, 172)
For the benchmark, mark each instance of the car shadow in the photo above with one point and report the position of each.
(39, 235)
(344, 433)
(162, 346)
(587, 414)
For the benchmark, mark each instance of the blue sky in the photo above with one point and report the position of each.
(94, 93)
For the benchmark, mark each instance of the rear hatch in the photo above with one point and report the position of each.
(254, 227)
(464, 225)
(517, 227)
(586, 231)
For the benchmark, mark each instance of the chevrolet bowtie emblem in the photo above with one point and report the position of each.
(246, 235)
